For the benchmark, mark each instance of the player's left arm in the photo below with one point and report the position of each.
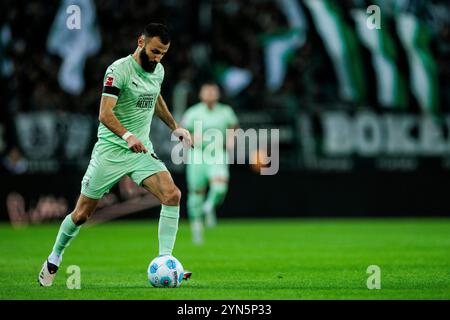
(162, 111)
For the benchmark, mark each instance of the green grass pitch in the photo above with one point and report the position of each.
(241, 259)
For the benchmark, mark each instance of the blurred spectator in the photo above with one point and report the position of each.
(14, 162)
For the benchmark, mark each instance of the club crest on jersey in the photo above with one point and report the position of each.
(109, 81)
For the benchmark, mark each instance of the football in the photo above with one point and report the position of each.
(165, 272)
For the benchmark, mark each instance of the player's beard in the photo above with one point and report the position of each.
(146, 63)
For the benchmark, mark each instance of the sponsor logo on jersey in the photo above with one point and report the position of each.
(146, 101)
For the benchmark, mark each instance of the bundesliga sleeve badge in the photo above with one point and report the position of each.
(109, 81)
(109, 88)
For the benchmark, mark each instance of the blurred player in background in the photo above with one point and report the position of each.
(211, 176)
(131, 95)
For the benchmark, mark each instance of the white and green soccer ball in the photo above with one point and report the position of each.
(165, 272)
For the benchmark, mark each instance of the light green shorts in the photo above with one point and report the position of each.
(198, 175)
(109, 163)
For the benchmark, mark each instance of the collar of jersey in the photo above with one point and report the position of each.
(138, 68)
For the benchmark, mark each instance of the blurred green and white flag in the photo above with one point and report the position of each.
(277, 51)
(342, 46)
(412, 25)
(391, 86)
(415, 38)
(279, 47)
(233, 79)
(74, 45)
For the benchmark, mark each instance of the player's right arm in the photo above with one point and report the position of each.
(114, 81)
(109, 120)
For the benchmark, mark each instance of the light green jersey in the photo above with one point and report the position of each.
(221, 117)
(203, 166)
(136, 91)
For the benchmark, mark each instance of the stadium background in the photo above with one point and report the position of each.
(348, 147)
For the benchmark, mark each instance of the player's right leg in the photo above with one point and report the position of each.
(105, 169)
(67, 232)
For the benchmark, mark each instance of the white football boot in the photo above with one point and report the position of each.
(47, 274)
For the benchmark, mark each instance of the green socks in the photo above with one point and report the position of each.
(67, 232)
(167, 232)
(167, 228)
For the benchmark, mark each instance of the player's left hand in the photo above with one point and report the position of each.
(184, 136)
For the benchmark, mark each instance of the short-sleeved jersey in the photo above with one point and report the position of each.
(136, 91)
(221, 117)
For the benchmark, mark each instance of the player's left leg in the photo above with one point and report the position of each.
(163, 187)
(151, 173)
(148, 171)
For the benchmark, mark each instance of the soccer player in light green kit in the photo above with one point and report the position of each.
(200, 175)
(131, 95)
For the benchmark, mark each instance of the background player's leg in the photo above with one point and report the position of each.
(71, 226)
(162, 186)
(194, 205)
(197, 181)
(217, 190)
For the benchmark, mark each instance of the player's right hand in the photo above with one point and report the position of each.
(135, 145)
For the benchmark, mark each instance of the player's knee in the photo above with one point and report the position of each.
(173, 197)
(81, 216)
(83, 210)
